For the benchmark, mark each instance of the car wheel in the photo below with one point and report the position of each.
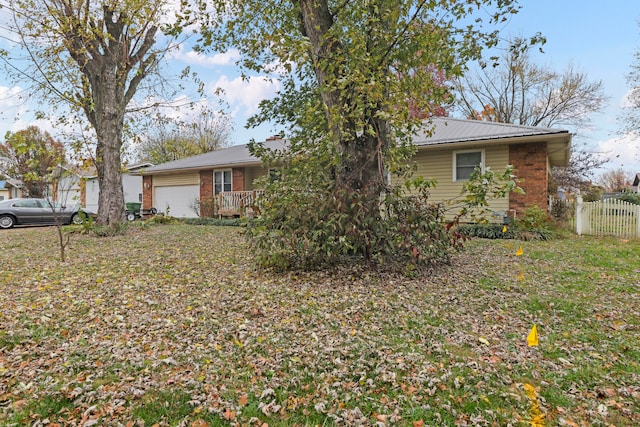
(131, 217)
(77, 218)
(7, 221)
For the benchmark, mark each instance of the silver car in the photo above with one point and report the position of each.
(39, 212)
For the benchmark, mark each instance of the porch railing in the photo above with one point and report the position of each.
(238, 203)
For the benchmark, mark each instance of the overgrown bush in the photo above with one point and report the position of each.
(533, 218)
(313, 229)
(630, 198)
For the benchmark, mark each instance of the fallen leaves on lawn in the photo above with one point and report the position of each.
(174, 326)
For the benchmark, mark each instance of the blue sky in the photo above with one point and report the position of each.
(598, 38)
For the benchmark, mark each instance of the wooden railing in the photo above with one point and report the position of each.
(238, 203)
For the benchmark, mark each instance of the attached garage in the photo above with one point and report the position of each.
(176, 194)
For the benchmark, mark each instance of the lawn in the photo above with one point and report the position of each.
(173, 325)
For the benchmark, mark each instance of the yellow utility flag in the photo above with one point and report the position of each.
(532, 338)
(504, 228)
(519, 252)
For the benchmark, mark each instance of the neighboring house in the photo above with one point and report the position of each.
(449, 155)
(635, 186)
(10, 189)
(131, 186)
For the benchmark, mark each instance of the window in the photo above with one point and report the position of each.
(464, 162)
(221, 181)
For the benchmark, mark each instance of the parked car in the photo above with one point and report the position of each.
(39, 212)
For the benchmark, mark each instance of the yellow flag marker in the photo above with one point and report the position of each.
(519, 252)
(504, 228)
(521, 276)
(532, 338)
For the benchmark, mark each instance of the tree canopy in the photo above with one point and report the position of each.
(91, 57)
(31, 155)
(166, 139)
(353, 76)
(519, 91)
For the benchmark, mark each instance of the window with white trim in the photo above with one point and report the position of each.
(464, 163)
(222, 181)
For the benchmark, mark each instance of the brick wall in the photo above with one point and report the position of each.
(206, 184)
(237, 182)
(530, 163)
(147, 192)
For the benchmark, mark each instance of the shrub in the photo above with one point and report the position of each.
(312, 229)
(630, 198)
(228, 222)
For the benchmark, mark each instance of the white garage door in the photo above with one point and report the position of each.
(179, 199)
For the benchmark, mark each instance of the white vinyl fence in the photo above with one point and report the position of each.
(608, 218)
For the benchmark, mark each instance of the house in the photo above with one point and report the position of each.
(10, 189)
(449, 154)
(131, 186)
(635, 186)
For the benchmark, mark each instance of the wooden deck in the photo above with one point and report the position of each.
(238, 203)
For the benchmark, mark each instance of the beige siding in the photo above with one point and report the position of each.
(438, 164)
(177, 179)
(251, 174)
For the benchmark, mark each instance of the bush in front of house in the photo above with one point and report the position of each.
(533, 224)
(226, 222)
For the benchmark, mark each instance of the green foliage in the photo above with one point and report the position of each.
(31, 155)
(534, 218)
(496, 231)
(225, 222)
(592, 193)
(316, 228)
(162, 219)
(630, 198)
(483, 186)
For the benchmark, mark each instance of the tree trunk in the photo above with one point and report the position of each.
(107, 120)
(361, 167)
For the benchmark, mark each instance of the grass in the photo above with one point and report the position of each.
(173, 325)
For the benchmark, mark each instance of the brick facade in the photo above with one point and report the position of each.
(147, 192)
(206, 185)
(530, 164)
(237, 182)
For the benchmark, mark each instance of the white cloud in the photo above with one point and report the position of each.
(244, 95)
(194, 58)
(623, 152)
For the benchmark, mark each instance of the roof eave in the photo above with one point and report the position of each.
(200, 168)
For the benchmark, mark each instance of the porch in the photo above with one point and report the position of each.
(238, 203)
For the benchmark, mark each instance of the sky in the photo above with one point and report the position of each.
(597, 38)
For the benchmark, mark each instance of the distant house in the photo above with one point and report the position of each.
(10, 188)
(449, 155)
(131, 186)
(635, 186)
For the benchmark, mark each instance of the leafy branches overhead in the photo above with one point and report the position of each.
(91, 57)
(353, 76)
(31, 156)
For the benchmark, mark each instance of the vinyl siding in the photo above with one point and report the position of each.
(251, 174)
(177, 179)
(438, 164)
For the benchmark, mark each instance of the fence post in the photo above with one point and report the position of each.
(638, 222)
(579, 215)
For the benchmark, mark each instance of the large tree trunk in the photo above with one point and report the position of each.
(108, 119)
(361, 167)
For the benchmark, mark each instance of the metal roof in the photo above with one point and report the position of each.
(235, 155)
(447, 130)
